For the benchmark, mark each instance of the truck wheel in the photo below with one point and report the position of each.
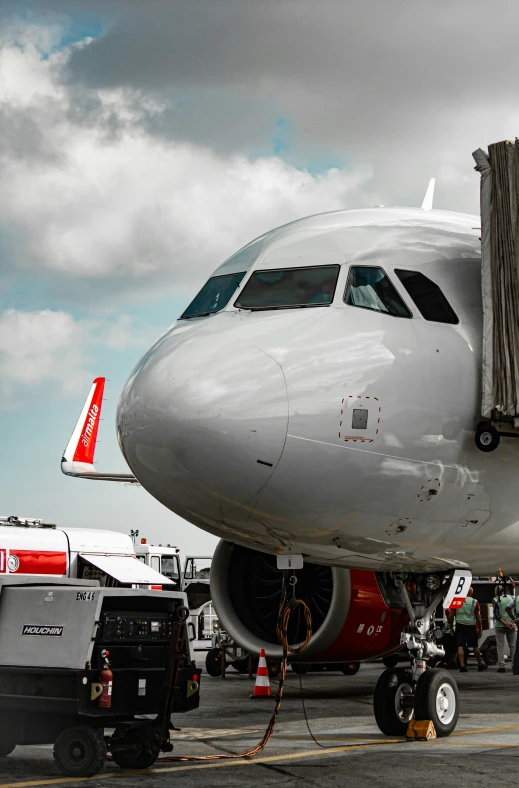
(6, 748)
(213, 662)
(350, 668)
(437, 699)
(80, 752)
(487, 437)
(393, 701)
(142, 759)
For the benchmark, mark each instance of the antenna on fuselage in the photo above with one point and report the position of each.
(429, 195)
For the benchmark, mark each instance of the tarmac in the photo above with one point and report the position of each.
(347, 748)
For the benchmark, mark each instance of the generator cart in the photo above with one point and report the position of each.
(77, 659)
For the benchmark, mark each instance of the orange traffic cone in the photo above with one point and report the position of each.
(262, 686)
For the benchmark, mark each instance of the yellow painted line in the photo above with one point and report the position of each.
(470, 743)
(267, 759)
(356, 737)
(484, 730)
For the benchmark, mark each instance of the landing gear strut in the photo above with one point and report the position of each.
(421, 691)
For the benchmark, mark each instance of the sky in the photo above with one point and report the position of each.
(142, 143)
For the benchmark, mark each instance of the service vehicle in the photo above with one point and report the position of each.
(194, 580)
(77, 659)
(29, 546)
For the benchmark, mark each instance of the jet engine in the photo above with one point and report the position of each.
(351, 620)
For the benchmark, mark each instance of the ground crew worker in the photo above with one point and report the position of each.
(503, 627)
(513, 611)
(468, 629)
(448, 641)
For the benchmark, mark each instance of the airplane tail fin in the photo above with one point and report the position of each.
(78, 457)
(429, 196)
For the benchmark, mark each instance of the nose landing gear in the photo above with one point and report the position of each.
(420, 692)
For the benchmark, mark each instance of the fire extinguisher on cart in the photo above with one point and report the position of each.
(106, 678)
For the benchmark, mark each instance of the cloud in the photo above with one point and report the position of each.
(399, 84)
(90, 192)
(42, 347)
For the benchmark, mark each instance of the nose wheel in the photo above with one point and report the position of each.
(437, 699)
(394, 701)
(398, 700)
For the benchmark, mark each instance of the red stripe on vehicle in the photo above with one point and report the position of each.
(39, 562)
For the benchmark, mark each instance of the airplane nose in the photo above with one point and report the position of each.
(202, 423)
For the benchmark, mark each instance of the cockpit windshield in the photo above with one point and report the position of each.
(289, 287)
(213, 296)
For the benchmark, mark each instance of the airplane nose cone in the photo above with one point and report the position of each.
(202, 423)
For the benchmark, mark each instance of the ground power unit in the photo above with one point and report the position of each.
(80, 666)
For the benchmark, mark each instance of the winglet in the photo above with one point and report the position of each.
(80, 451)
(429, 195)
(78, 458)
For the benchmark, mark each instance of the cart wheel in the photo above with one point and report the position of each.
(393, 701)
(142, 759)
(350, 668)
(213, 662)
(274, 669)
(6, 748)
(241, 665)
(391, 661)
(80, 752)
(300, 668)
(487, 437)
(490, 655)
(437, 699)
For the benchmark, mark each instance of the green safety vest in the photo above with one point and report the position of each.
(466, 614)
(500, 605)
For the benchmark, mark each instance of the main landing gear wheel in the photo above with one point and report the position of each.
(213, 662)
(393, 701)
(80, 752)
(350, 668)
(300, 668)
(6, 748)
(487, 437)
(437, 699)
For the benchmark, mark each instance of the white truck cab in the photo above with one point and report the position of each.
(161, 558)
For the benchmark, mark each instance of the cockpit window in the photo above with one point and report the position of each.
(427, 296)
(285, 288)
(369, 288)
(214, 295)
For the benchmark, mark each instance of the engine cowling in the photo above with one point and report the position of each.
(350, 618)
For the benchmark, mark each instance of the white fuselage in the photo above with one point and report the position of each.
(242, 421)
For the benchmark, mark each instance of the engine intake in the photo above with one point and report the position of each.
(246, 589)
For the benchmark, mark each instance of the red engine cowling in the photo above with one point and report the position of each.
(351, 620)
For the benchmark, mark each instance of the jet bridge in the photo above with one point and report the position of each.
(499, 170)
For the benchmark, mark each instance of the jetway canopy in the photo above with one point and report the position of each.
(500, 278)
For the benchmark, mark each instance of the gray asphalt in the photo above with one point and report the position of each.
(483, 751)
